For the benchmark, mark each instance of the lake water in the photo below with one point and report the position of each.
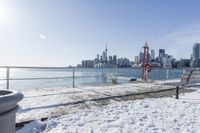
(83, 76)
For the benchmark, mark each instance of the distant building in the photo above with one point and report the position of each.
(88, 63)
(196, 51)
(161, 55)
(104, 57)
(98, 57)
(110, 60)
(126, 62)
(96, 61)
(161, 52)
(115, 59)
(196, 63)
(183, 63)
(123, 63)
(167, 61)
(196, 55)
(101, 58)
(137, 60)
(106, 50)
(79, 65)
(141, 57)
(152, 55)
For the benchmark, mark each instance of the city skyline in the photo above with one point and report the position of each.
(62, 33)
(162, 59)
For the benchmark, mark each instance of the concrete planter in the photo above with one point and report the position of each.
(8, 109)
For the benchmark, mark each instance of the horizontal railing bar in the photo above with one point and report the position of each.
(52, 78)
(89, 76)
(39, 78)
(26, 67)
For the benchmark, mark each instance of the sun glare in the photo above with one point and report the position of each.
(4, 12)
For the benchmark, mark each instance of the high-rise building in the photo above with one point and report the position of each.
(141, 57)
(196, 55)
(110, 59)
(161, 52)
(167, 61)
(97, 56)
(183, 63)
(126, 62)
(196, 51)
(123, 62)
(101, 59)
(104, 56)
(87, 64)
(137, 60)
(161, 55)
(152, 54)
(115, 59)
(106, 53)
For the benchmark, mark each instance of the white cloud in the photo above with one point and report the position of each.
(42, 36)
(179, 42)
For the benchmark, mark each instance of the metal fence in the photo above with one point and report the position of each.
(9, 68)
(114, 73)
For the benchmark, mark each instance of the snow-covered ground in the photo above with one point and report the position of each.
(77, 110)
(155, 115)
(41, 103)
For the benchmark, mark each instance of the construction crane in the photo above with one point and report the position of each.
(146, 67)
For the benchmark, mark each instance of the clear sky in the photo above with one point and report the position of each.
(63, 32)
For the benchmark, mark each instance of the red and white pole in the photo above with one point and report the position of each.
(145, 66)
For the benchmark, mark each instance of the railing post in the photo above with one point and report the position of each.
(7, 78)
(73, 77)
(167, 74)
(177, 92)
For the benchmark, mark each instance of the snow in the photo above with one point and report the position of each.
(33, 127)
(47, 102)
(148, 115)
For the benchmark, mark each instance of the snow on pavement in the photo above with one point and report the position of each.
(148, 115)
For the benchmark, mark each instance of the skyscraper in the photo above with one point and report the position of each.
(196, 51)
(141, 57)
(106, 53)
(161, 52)
(110, 59)
(152, 54)
(104, 57)
(196, 55)
(115, 59)
(97, 56)
(137, 60)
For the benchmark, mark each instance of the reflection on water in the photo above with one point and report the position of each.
(102, 76)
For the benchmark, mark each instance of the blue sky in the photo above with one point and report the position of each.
(63, 32)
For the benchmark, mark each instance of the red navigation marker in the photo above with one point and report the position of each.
(146, 67)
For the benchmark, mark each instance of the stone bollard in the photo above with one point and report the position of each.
(8, 110)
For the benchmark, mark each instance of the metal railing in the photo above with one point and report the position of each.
(8, 78)
(73, 77)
